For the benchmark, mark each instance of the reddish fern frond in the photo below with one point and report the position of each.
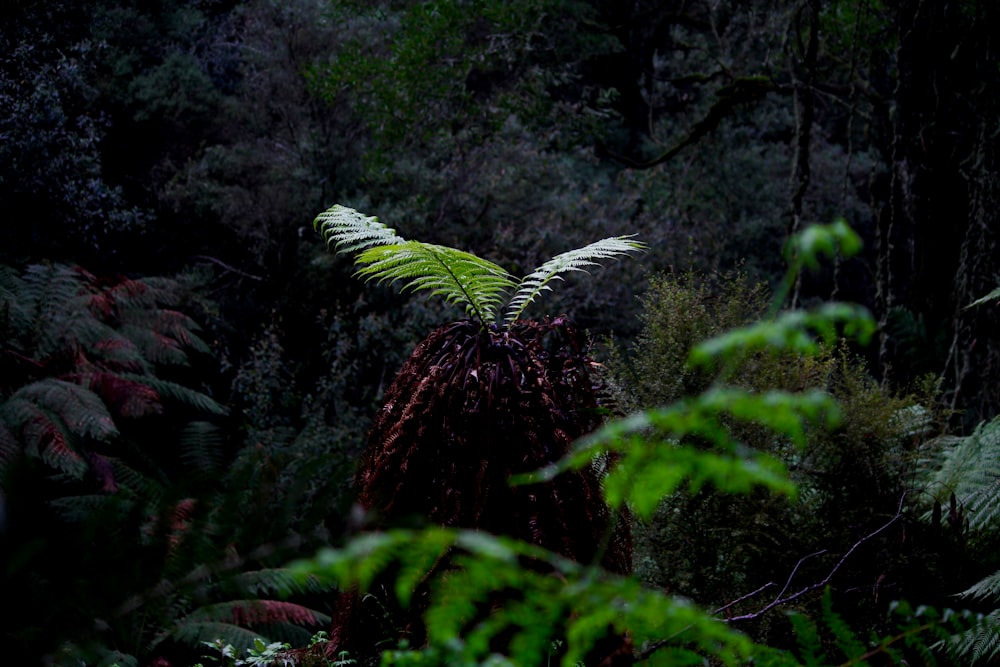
(10, 451)
(118, 353)
(180, 522)
(261, 612)
(181, 328)
(103, 472)
(154, 346)
(125, 397)
(45, 438)
(77, 407)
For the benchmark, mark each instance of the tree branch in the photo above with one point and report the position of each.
(741, 91)
(781, 598)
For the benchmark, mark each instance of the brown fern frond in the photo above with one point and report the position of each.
(469, 409)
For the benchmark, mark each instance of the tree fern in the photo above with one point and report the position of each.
(477, 402)
(84, 472)
(480, 287)
(969, 468)
(964, 473)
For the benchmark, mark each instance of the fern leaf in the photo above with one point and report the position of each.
(579, 259)
(988, 587)
(992, 296)
(196, 633)
(281, 582)
(83, 411)
(259, 612)
(14, 318)
(127, 398)
(969, 467)
(478, 285)
(201, 449)
(978, 644)
(179, 393)
(155, 346)
(44, 436)
(348, 230)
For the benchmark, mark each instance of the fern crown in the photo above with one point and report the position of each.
(481, 287)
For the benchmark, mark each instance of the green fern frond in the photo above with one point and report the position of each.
(131, 480)
(992, 296)
(200, 445)
(969, 467)
(83, 411)
(155, 346)
(278, 581)
(14, 318)
(478, 285)
(179, 393)
(538, 280)
(197, 633)
(988, 587)
(348, 230)
(978, 644)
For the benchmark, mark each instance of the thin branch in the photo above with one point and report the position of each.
(745, 597)
(744, 90)
(782, 600)
(227, 267)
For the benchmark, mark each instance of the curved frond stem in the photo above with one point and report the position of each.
(579, 259)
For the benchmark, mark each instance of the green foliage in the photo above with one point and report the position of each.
(714, 546)
(961, 474)
(478, 285)
(530, 605)
(493, 600)
(966, 467)
(111, 456)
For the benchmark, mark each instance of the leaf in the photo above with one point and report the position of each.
(538, 280)
(200, 446)
(348, 230)
(81, 411)
(478, 285)
(179, 393)
(992, 296)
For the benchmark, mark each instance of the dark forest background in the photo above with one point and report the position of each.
(187, 373)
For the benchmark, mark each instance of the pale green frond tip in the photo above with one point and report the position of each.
(461, 278)
(348, 230)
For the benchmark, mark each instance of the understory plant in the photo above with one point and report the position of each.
(113, 462)
(479, 400)
(962, 478)
(487, 599)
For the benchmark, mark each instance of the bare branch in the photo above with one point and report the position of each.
(782, 599)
